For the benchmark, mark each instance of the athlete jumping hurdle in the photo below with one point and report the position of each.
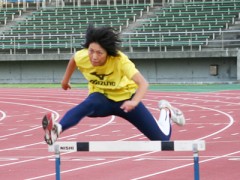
(116, 87)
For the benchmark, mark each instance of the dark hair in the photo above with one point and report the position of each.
(105, 36)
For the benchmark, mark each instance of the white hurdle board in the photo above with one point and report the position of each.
(120, 146)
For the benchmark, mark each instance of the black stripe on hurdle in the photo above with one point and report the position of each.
(82, 146)
(167, 146)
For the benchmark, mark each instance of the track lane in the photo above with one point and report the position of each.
(204, 117)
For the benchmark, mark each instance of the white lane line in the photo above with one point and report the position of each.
(28, 135)
(92, 135)
(217, 138)
(12, 129)
(186, 165)
(92, 165)
(182, 130)
(139, 155)
(231, 121)
(44, 157)
(3, 115)
(34, 106)
(228, 125)
(138, 135)
(116, 131)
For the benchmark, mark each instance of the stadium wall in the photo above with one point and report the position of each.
(157, 67)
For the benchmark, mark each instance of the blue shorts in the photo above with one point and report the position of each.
(98, 105)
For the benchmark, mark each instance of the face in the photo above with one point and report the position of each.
(97, 55)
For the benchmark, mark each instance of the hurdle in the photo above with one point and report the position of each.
(128, 146)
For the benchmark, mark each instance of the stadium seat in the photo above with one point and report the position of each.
(189, 18)
(68, 20)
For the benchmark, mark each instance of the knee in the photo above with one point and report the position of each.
(94, 100)
(91, 104)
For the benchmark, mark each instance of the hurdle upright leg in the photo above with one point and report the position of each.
(196, 161)
(57, 162)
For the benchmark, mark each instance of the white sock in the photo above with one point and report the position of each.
(59, 127)
(164, 121)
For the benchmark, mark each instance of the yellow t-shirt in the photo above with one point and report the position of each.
(113, 79)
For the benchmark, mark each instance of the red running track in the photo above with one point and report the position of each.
(213, 117)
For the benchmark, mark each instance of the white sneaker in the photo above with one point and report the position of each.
(176, 114)
(52, 129)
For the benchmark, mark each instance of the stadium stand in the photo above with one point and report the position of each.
(178, 26)
(45, 24)
(170, 40)
(195, 19)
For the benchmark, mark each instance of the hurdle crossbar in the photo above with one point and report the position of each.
(129, 146)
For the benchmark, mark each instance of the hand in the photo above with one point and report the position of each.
(127, 106)
(66, 85)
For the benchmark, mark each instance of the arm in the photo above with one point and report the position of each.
(68, 73)
(142, 89)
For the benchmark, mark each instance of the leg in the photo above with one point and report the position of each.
(141, 118)
(95, 105)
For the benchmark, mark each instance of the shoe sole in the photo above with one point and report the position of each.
(47, 126)
(179, 116)
(45, 122)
